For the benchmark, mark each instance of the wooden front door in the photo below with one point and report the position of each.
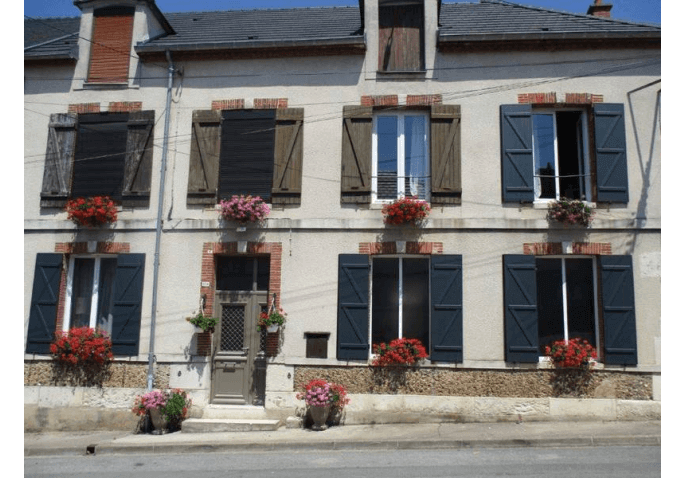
(238, 365)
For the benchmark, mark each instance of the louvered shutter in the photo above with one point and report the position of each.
(353, 307)
(100, 155)
(619, 314)
(288, 156)
(446, 178)
(138, 161)
(521, 310)
(128, 297)
(44, 299)
(204, 160)
(356, 162)
(111, 45)
(610, 147)
(517, 159)
(246, 164)
(59, 159)
(446, 308)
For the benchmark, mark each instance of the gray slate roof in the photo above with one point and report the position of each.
(495, 19)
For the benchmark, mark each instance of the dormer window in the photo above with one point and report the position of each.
(111, 45)
(401, 36)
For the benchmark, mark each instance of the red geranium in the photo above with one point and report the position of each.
(407, 210)
(93, 211)
(400, 351)
(82, 345)
(574, 353)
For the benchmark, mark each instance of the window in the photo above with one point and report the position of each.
(103, 291)
(560, 159)
(242, 273)
(401, 156)
(401, 36)
(387, 155)
(555, 298)
(546, 154)
(257, 152)
(382, 298)
(111, 45)
(99, 154)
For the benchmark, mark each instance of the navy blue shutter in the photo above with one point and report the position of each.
(610, 149)
(619, 314)
(246, 161)
(446, 308)
(521, 310)
(128, 295)
(516, 149)
(44, 298)
(353, 307)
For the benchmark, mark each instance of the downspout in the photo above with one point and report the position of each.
(158, 228)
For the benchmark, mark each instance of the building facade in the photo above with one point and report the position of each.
(487, 110)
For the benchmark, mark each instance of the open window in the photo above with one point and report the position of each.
(547, 154)
(256, 152)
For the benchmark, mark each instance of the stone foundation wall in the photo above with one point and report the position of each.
(116, 375)
(483, 383)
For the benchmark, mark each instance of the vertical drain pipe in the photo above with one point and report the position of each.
(158, 229)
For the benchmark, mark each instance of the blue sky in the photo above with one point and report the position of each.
(631, 10)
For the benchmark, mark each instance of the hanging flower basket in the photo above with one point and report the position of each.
(243, 209)
(93, 211)
(407, 210)
(570, 211)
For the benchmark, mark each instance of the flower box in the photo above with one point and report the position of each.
(91, 212)
(399, 352)
(407, 210)
(82, 345)
(243, 209)
(570, 212)
(573, 353)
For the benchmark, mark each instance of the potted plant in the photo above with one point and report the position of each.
(271, 321)
(407, 210)
(324, 401)
(91, 212)
(204, 323)
(243, 209)
(570, 354)
(570, 211)
(166, 409)
(399, 352)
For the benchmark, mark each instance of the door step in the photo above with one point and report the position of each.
(217, 425)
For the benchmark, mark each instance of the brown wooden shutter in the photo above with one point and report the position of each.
(356, 163)
(59, 159)
(446, 177)
(401, 38)
(138, 162)
(288, 156)
(111, 46)
(204, 160)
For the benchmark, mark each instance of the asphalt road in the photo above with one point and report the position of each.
(608, 462)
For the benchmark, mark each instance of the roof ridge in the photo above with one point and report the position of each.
(578, 15)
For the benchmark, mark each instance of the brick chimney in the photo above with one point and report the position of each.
(598, 9)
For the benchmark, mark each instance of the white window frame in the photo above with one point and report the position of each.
(66, 323)
(400, 186)
(400, 258)
(585, 154)
(596, 291)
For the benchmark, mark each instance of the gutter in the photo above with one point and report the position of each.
(446, 38)
(248, 44)
(158, 221)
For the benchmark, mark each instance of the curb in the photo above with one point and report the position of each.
(179, 448)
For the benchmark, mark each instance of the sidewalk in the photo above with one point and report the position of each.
(353, 437)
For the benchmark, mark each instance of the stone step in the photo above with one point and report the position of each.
(234, 412)
(216, 425)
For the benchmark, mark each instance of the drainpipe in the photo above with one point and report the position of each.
(158, 229)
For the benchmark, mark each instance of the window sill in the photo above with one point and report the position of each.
(106, 86)
(543, 204)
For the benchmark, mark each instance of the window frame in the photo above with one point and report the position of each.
(71, 268)
(585, 160)
(400, 145)
(400, 258)
(596, 295)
